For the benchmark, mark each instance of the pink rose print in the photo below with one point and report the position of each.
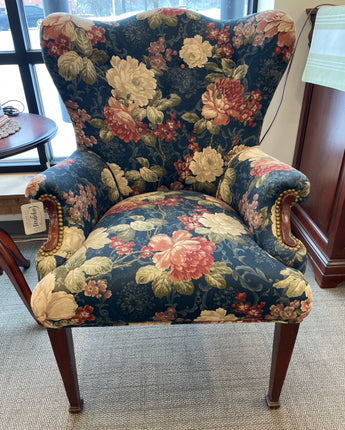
(121, 122)
(270, 25)
(261, 167)
(170, 201)
(33, 187)
(222, 100)
(125, 206)
(188, 257)
(67, 162)
(225, 98)
(171, 11)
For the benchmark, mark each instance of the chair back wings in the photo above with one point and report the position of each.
(167, 97)
(169, 210)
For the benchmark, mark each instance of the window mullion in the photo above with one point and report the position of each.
(26, 60)
(20, 40)
(252, 6)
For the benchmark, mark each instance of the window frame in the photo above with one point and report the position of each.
(25, 58)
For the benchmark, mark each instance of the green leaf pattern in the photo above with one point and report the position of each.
(167, 108)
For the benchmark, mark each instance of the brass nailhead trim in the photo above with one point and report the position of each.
(60, 225)
(278, 212)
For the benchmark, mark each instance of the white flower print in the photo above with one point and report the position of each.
(131, 80)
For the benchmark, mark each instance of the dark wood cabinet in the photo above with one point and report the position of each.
(320, 154)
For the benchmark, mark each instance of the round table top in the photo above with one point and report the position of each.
(35, 130)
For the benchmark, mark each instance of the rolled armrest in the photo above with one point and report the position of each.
(263, 190)
(76, 193)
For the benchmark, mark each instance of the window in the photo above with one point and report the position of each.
(23, 74)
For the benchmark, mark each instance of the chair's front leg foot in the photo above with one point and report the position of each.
(283, 345)
(62, 344)
(76, 409)
(272, 405)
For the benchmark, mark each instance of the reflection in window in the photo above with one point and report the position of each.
(122, 8)
(6, 41)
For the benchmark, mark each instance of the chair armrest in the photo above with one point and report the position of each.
(76, 193)
(263, 190)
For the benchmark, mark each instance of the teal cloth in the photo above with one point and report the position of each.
(326, 61)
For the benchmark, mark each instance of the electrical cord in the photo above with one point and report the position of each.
(289, 68)
(11, 110)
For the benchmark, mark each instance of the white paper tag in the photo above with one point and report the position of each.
(33, 218)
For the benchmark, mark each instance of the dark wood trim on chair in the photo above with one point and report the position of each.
(283, 345)
(62, 344)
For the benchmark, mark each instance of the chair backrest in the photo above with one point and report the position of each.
(166, 95)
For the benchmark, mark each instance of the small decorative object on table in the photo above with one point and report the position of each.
(8, 126)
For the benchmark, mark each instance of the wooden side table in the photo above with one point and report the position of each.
(36, 130)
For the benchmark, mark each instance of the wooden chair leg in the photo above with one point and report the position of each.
(9, 264)
(62, 344)
(7, 241)
(283, 345)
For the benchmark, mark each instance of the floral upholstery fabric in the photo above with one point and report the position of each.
(169, 206)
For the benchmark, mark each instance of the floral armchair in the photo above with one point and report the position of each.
(169, 211)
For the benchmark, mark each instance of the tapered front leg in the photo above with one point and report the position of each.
(283, 345)
(62, 344)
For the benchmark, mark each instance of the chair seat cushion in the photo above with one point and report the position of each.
(170, 257)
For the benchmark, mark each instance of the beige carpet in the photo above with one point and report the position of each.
(211, 377)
